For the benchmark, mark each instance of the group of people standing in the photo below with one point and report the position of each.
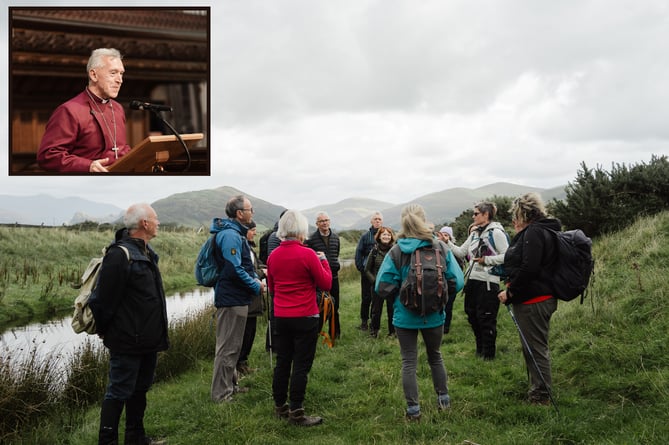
(129, 305)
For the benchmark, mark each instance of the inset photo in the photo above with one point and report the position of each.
(121, 91)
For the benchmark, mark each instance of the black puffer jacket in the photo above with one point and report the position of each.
(129, 301)
(317, 243)
(527, 259)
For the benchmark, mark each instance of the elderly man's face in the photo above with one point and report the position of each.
(377, 221)
(106, 80)
(323, 223)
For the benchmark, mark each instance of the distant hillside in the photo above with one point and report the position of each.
(50, 211)
(198, 208)
(345, 214)
(447, 204)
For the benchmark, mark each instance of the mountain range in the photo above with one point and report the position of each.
(197, 208)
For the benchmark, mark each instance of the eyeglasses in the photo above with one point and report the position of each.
(246, 210)
(477, 213)
(322, 221)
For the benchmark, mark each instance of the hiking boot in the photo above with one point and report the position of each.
(143, 440)
(240, 389)
(374, 333)
(413, 413)
(443, 402)
(297, 417)
(281, 411)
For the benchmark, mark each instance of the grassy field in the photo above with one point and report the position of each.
(610, 374)
(39, 265)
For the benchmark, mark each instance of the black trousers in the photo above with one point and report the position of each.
(481, 307)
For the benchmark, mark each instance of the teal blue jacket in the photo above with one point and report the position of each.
(391, 275)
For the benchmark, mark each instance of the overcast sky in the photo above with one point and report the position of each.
(315, 101)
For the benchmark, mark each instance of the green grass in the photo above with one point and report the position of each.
(610, 374)
(39, 265)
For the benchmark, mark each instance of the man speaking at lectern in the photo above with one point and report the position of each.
(87, 133)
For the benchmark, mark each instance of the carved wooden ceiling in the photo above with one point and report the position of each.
(50, 47)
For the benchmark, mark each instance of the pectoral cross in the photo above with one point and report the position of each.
(115, 150)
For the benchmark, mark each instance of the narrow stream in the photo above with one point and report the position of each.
(57, 337)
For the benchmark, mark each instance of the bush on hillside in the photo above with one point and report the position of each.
(600, 202)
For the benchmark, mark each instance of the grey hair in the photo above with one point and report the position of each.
(414, 223)
(371, 218)
(135, 214)
(235, 203)
(322, 213)
(95, 61)
(293, 224)
(527, 208)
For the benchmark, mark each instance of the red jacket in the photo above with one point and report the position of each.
(293, 274)
(76, 135)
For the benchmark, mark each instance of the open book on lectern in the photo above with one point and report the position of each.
(153, 151)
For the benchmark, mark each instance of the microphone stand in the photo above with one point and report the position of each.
(174, 131)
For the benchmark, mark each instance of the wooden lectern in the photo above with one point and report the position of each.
(152, 151)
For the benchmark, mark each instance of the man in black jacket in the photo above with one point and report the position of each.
(129, 308)
(325, 240)
(365, 245)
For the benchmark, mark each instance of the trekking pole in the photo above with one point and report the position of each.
(468, 271)
(268, 300)
(526, 345)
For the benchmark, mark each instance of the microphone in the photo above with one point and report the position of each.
(138, 105)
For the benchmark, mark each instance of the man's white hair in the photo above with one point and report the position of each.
(95, 61)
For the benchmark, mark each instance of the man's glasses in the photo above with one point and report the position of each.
(247, 210)
(322, 221)
(477, 213)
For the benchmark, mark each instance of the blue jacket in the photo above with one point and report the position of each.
(236, 283)
(391, 275)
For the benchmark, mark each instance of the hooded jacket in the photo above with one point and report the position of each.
(479, 241)
(237, 282)
(526, 261)
(129, 301)
(390, 277)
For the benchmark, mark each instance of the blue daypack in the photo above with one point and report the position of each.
(207, 265)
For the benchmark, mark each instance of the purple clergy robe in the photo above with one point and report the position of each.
(76, 135)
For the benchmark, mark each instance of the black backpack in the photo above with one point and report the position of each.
(424, 290)
(262, 250)
(570, 272)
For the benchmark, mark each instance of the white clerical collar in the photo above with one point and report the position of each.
(95, 96)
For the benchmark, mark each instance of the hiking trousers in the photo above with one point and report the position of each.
(230, 323)
(366, 297)
(534, 322)
(481, 307)
(377, 308)
(295, 347)
(408, 339)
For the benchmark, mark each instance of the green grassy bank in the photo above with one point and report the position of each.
(610, 374)
(39, 265)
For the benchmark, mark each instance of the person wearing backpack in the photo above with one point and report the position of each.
(529, 290)
(385, 239)
(485, 247)
(129, 308)
(236, 286)
(414, 236)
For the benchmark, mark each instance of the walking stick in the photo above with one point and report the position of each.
(526, 345)
(268, 301)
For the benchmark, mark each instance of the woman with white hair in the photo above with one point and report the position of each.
(415, 234)
(294, 271)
